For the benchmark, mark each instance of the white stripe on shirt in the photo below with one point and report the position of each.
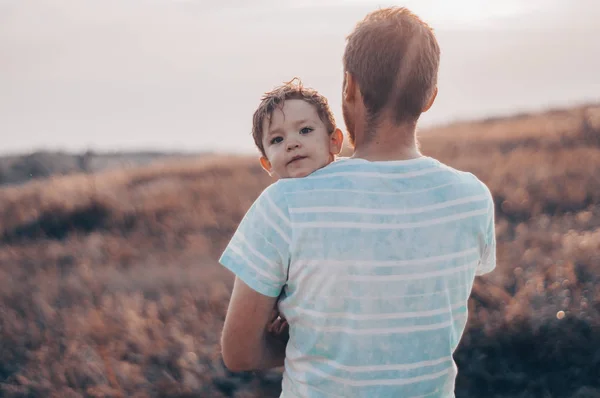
(380, 317)
(302, 368)
(392, 176)
(251, 264)
(293, 353)
(301, 264)
(274, 226)
(388, 330)
(387, 212)
(277, 210)
(415, 276)
(363, 225)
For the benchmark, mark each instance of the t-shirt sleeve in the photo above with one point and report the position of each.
(488, 257)
(259, 251)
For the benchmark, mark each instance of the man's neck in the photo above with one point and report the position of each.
(390, 142)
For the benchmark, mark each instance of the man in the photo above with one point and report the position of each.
(375, 254)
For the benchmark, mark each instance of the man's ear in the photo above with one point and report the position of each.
(335, 142)
(349, 87)
(431, 100)
(266, 165)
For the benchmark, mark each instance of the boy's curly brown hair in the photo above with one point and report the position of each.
(275, 98)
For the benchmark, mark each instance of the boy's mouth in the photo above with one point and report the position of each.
(295, 158)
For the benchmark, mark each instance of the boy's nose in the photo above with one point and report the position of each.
(292, 145)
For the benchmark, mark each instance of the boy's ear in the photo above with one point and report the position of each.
(266, 165)
(335, 142)
(431, 100)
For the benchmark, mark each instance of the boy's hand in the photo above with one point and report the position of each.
(278, 326)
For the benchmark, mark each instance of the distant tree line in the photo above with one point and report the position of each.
(18, 169)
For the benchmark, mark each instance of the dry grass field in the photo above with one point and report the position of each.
(109, 285)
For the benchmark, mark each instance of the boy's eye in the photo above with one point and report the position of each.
(276, 140)
(306, 130)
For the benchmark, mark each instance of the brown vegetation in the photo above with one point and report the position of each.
(109, 285)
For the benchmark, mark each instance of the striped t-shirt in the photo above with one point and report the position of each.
(376, 261)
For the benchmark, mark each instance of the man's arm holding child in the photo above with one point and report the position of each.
(258, 254)
(246, 343)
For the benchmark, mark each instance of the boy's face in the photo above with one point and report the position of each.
(296, 141)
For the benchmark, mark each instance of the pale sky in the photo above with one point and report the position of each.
(187, 74)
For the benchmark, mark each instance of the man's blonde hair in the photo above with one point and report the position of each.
(276, 98)
(394, 57)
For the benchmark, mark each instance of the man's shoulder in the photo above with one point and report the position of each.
(466, 178)
(276, 193)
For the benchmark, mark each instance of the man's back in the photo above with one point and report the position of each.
(382, 258)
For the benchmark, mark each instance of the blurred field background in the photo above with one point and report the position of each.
(109, 285)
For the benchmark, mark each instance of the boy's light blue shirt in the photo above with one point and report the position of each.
(377, 261)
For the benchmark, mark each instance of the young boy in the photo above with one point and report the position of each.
(295, 132)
